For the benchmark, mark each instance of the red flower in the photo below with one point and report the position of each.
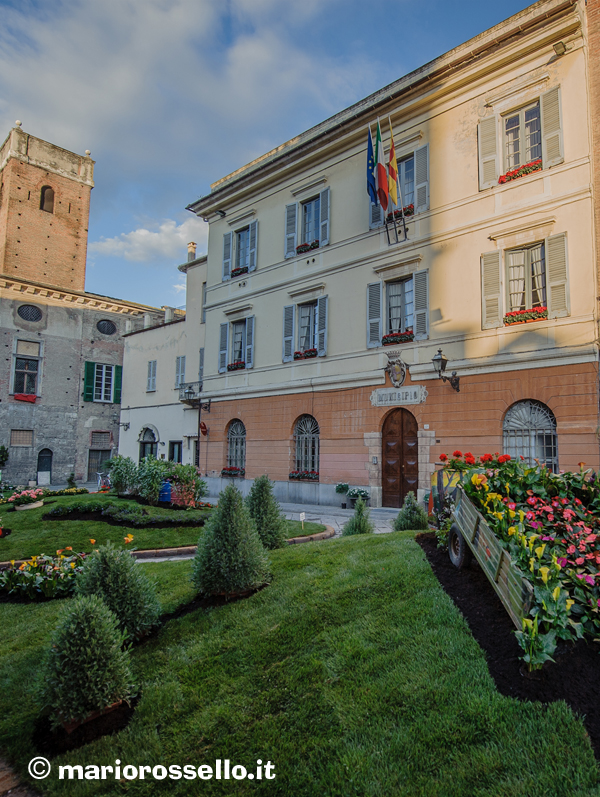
(487, 458)
(457, 454)
(504, 458)
(469, 459)
(443, 457)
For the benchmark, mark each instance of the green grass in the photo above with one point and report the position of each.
(353, 673)
(32, 536)
(294, 528)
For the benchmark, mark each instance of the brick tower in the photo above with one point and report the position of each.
(44, 211)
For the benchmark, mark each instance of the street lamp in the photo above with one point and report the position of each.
(189, 393)
(439, 363)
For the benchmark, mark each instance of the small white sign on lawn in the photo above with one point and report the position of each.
(302, 518)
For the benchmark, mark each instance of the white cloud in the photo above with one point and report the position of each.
(167, 243)
(179, 288)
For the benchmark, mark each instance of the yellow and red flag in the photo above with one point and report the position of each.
(393, 171)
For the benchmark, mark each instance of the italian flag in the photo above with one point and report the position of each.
(380, 171)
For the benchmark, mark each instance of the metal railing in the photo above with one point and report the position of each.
(189, 392)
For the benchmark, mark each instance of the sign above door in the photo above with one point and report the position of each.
(395, 397)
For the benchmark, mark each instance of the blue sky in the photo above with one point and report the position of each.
(170, 95)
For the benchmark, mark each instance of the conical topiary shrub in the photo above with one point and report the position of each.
(264, 511)
(113, 575)
(86, 668)
(412, 515)
(230, 556)
(360, 522)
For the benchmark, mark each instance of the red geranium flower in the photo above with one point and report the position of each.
(457, 454)
(487, 458)
(504, 458)
(469, 459)
(443, 457)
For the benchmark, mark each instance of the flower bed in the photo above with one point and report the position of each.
(409, 210)
(305, 355)
(234, 471)
(236, 366)
(550, 524)
(397, 337)
(26, 497)
(514, 174)
(355, 493)
(521, 316)
(238, 271)
(43, 576)
(305, 475)
(123, 515)
(301, 249)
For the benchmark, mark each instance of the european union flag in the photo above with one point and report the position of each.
(371, 186)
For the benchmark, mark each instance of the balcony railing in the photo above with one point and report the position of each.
(186, 395)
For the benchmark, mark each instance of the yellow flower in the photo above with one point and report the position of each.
(499, 515)
(512, 513)
(540, 550)
(527, 624)
(512, 530)
(531, 564)
(12, 562)
(556, 593)
(521, 515)
(544, 574)
(479, 480)
(72, 564)
(569, 604)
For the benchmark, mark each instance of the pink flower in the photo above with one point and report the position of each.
(512, 506)
(562, 562)
(590, 580)
(571, 549)
(530, 515)
(580, 560)
(532, 501)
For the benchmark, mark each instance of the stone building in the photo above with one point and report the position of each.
(323, 324)
(61, 372)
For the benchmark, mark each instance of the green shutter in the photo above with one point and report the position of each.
(88, 381)
(118, 383)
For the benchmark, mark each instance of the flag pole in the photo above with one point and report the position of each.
(399, 190)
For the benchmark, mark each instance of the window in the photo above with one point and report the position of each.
(102, 383)
(201, 368)
(21, 437)
(47, 199)
(29, 312)
(239, 253)
(308, 221)
(203, 318)
(402, 311)
(106, 327)
(310, 321)
(96, 461)
(530, 432)
(531, 134)
(413, 176)
(26, 374)
(175, 450)
(533, 277)
(306, 437)
(236, 445)
(179, 371)
(148, 444)
(236, 345)
(100, 440)
(151, 380)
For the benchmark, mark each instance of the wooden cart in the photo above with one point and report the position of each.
(513, 589)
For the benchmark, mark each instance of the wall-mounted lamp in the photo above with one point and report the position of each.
(439, 363)
(125, 425)
(162, 443)
(189, 393)
(221, 213)
(560, 48)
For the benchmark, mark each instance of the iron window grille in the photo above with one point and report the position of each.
(236, 445)
(29, 312)
(306, 436)
(530, 432)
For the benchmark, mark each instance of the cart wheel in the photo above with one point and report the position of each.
(460, 553)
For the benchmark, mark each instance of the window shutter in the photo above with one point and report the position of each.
(487, 144)
(375, 216)
(179, 371)
(151, 376)
(556, 268)
(325, 215)
(118, 382)
(291, 219)
(253, 235)
(249, 342)
(422, 179)
(227, 254)
(201, 368)
(491, 290)
(552, 137)
(421, 298)
(322, 326)
(223, 339)
(88, 381)
(289, 317)
(374, 303)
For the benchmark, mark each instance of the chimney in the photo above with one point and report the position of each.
(147, 320)
(191, 251)
(169, 313)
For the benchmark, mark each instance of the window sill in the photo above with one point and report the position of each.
(511, 321)
(522, 171)
(238, 366)
(396, 339)
(237, 272)
(309, 354)
(304, 476)
(235, 473)
(303, 249)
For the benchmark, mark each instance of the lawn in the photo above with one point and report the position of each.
(353, 672)
(32, 536)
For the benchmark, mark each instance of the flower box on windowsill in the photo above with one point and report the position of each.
(301, 249)
(398, 337)
(237, 366)
(305, 355)
(238, 271)
(514, 174)
(409, 210)
(305, 475)
(525, 316)
(234, 472)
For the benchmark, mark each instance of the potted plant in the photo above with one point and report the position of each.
(342, 489)
(28, 499)
(354, 493)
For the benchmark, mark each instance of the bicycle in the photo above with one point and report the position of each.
(104, 483)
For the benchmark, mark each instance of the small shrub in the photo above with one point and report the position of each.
(151, 474)
(360, 522)
(123, 473)
(230, 556)
(412, 516)
(112, 574)
(342, 488)
(187, 486)
(265, 512)
(71, 480)
(86, 668)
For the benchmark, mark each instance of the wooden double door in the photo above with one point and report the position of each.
(400, 457)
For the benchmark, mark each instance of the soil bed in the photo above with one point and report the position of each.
(99, 517)
(575, 675)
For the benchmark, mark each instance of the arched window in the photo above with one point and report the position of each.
(530, 432)
(236, 445)
(306, 435)
(148, 444)
(47, 199)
